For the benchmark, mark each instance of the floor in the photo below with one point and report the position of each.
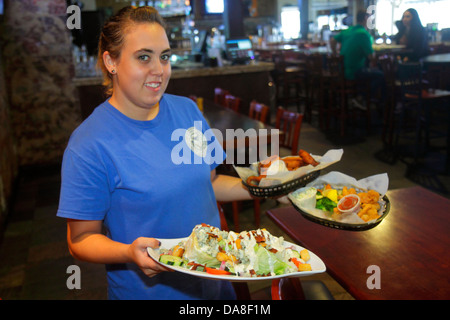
(34, 259)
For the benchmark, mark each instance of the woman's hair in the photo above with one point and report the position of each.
(113, 34)
(415, 21)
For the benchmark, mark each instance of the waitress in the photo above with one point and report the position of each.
(119, 173)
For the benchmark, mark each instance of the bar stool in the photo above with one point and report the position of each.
(415, 114)
(319, 81)
(341, 91)
(388, 65)
(290, 80)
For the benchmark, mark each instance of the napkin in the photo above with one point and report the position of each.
(278, 175)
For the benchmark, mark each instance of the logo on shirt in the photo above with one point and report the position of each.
(197, 146)
(196, 141)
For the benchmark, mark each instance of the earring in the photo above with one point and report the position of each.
(113, 71)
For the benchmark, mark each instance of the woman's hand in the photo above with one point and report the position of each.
(87, 243)
(138, 254)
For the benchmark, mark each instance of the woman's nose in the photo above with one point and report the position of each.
(157, 68)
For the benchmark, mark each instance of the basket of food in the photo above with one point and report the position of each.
(339, 201)
(275, 176)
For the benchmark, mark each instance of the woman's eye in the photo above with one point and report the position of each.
(144, 57)
(166, 57)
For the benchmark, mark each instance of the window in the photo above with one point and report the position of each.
(389, 11)
(290, 22)
(214, 6)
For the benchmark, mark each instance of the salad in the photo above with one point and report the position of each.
(254, 253)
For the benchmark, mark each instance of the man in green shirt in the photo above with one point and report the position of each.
(356, 46)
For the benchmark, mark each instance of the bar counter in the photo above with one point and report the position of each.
(250, 81)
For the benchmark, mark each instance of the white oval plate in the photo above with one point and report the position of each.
(316, 263)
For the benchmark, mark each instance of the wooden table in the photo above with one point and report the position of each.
(237, 129)
(410, 247)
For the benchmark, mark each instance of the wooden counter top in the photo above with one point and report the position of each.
(178, 73)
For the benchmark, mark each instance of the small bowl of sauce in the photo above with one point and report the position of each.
(349, 204)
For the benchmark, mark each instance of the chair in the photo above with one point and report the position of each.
(319, 80)
(232, 102)
(294, 289)
(416, 113)
(290, 124)
(258, 111)
(388, 65)
(341, 91)
(223, 220)
(219, 95)
(289, 80)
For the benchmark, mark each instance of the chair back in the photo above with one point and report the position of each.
(258, 111)
(389, 67)
(410, 76)
(314, 64)
(219, 96)
(278, 60)
(233, 102)
(335, 65)
(289, 123)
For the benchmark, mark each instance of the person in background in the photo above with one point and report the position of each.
(119, 173)
(413, 35)
(355, 44)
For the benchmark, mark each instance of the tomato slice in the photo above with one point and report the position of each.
(217, 271)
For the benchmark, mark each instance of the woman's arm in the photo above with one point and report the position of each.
(87, 243)
(228, 188)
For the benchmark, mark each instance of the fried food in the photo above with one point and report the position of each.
(254, 180)
(307, 158)
(292, 163)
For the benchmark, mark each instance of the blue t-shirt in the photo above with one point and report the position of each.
(144, 179)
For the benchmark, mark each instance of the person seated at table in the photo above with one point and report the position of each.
(413, 35)
(355, 44)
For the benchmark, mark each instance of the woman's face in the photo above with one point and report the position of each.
(406, 19)
(142, 71)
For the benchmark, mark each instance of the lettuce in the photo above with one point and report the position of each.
(193, 253)
(268, 262)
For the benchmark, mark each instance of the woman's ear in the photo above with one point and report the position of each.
(109, 62)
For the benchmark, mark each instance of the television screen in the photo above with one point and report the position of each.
(240, 50)
(214, 6)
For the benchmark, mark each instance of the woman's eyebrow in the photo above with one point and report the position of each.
(152, 51)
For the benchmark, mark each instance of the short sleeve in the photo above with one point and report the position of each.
(85, 189)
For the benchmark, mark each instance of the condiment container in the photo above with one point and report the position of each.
(349, 204)
(304, 197)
